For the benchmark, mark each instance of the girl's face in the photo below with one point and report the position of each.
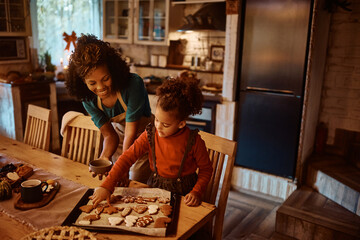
(167, 123)
(99, 82)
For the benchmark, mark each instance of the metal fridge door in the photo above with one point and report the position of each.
(268, 130)
(274, 44)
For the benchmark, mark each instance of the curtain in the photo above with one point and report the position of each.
(54, 17)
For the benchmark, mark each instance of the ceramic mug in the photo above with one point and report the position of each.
(32, 190)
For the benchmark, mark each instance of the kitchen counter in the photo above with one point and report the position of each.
(20, 83)
(14, 100)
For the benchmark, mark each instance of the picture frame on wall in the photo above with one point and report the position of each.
(217, 53)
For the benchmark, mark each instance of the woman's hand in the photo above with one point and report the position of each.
(192, 200)
(99, 195)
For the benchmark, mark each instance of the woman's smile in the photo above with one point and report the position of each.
(99, 82)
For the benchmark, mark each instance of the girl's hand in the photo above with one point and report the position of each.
(99, 195)
(192, 200)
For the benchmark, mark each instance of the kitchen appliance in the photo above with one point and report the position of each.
(13, 48)
(211, 16)
(273, 64)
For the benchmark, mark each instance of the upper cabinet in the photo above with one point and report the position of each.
(14, 18)
(151, 22)
(138, 21)
(118, 20)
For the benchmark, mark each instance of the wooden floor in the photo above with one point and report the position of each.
(250, 216)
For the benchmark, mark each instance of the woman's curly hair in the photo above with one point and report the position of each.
(182, 95)
(89, 53)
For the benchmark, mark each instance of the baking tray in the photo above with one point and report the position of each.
(76, 212)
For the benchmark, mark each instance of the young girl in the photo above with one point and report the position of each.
(175, 151)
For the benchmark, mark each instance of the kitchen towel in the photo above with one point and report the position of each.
(67, 118)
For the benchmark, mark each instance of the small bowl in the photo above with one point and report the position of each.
(100, 166)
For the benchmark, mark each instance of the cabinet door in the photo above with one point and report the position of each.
(118, 21)
(14, 18)
(151, 22)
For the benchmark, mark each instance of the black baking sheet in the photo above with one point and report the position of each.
(75, 213)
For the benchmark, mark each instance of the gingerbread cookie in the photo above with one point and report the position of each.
(115, 198)
(128, 199)
(144, 221)
(115, 220)
(140, 200)
(166, 209)
(140, 209)
(126, 211)
(153, 209)
(150, 199)
(86, 208)
(130, 220)
(110, 210)
(99, 210)
(161, 222)
(163, 200)
(92, 217)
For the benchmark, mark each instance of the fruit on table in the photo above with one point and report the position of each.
(5, 190)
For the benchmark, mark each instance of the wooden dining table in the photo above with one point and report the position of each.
(190, 219)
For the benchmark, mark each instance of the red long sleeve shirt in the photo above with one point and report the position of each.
(169, 152)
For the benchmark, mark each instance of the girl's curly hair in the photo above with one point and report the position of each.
(182, 95)
(89, 53)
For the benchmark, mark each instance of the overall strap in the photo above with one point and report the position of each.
(118, 94)
(150, 129)
(190, 143)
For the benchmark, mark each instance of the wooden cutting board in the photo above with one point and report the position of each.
(47, 197)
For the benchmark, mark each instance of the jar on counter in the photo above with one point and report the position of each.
(154, 59)
(162, 61)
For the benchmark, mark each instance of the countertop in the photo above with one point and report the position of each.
(20, 83)
(151, 89)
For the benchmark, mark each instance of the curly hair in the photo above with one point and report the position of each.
(182, 95)
(90, 53)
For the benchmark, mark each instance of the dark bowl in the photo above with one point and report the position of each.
(100, 166)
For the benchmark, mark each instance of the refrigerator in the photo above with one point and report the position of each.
(275, 38)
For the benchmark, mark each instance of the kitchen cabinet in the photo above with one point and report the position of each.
(151, 22)
(118, 21)
(14, 18)
(143, 22)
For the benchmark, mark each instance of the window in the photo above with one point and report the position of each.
(51, 18)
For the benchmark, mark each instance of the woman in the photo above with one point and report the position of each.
(116, 99)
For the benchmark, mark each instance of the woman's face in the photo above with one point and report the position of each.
(99, 82)
(167, 123)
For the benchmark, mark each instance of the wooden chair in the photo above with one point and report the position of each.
(219, 148)
(82, 140)
(37, 130)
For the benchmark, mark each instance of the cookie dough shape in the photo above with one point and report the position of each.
(110, 210)
(166, 209)
(86, 208)
(130, 220)
(140, 209)
(115, 220)
(161, 222)
(153, 209)
(126, 211)
(144, 221)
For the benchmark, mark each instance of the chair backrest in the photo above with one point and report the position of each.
(37, 130)
(82, 140)
(222, 155)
